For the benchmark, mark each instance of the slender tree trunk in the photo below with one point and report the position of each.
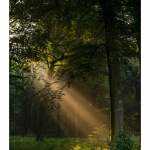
(29, 120)
(23, 117)
(114, 69)
(10, 115)
(138, 99)
(10, 126)
(137, 8)
(65, 131)
(138, 90)
(76, 121)
(35, 122)
(58, 123)
(40, 124)
(26, 119)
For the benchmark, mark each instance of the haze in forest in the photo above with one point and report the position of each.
(87, 116)
(83, 116)
(75, 68)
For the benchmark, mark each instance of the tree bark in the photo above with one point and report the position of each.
(23, 117)
(58, 123)
(138, 37)
(35, 122)
(113, 67)
(115, 95)
(138, 99)
(10, 115)
(76, 121)
(40, 124)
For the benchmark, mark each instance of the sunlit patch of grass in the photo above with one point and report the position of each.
(89, 144)
(81, 147)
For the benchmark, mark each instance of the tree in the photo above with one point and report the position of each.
(114, 68)
(43, 38)
(52, 43)
(116, 16)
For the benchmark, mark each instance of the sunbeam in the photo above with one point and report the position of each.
(77, 110)
(84, 115)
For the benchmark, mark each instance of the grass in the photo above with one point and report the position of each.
(29, 143)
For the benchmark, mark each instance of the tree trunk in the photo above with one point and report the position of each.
(138, 99)
(138, 87)
(114, 69)
(23, 117)
(58, 123)
(40, 124)
(115, 96)
(76, 121)
(35, 122)
(26, 119)
(10, 115)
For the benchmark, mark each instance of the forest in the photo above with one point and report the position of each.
(74, 74)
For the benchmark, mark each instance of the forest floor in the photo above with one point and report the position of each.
(29, 143)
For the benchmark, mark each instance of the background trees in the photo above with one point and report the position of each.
(116, 16)
(55, 44)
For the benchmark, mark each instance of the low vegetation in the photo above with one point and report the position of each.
(29, 143)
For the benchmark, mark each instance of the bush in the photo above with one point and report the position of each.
(122, 141)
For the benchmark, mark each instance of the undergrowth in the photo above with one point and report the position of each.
(93, 142)
(29, 143)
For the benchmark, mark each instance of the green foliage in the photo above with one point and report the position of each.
(95, 141)
(87, 144)
(80, 147)
(122, 141)
(29, 143)
(68, 37)
(96, 138)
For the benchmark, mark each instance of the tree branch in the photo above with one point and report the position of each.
(94, 53)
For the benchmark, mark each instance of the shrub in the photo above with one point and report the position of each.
(122, 141)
